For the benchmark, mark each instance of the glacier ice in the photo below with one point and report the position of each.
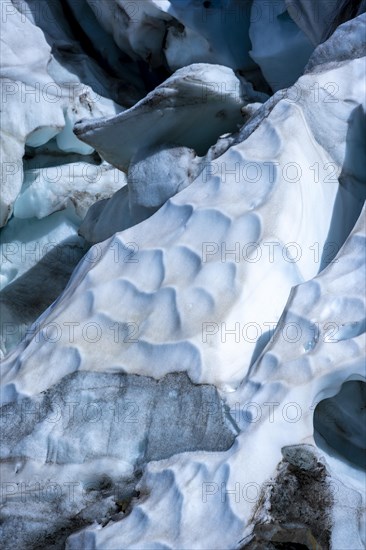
(320, 18)
(37, 259)
(192, 95)
(183, 275)
(42, 98)
(284, 62)
(139, 419)
(16, 80)
(180, 318)
(53, 188)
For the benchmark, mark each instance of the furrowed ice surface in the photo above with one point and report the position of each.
(190, 273)
(273, 408)
(199, 381)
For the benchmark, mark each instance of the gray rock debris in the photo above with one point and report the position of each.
(294, 510)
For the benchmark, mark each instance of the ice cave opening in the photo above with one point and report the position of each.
(340, 423)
